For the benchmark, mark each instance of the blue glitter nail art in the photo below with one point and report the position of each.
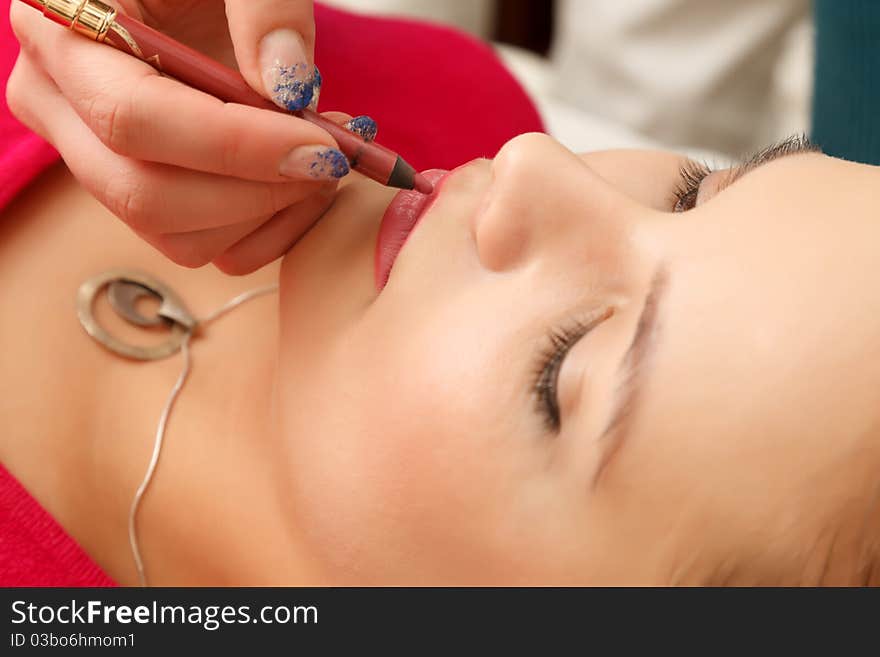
(329, 163)
(296, 87)
(364, 126)
(318, 80)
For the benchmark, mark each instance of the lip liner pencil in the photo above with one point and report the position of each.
(102, 23)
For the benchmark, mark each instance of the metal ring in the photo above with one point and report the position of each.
(179, 320)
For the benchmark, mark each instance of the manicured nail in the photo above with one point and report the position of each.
(315, 162)
(364, 126)
(290, 81)
(316, 90)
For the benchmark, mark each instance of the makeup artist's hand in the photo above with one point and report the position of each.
(201, 180)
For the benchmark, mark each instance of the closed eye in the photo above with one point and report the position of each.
(561, 340)
(692, 173)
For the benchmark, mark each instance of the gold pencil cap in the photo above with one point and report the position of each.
(91, 18)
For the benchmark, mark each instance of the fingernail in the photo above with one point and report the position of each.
(316, 90)
(364, 126)
(290, 81)
(315, 162)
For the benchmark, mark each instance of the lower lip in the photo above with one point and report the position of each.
(399, 220)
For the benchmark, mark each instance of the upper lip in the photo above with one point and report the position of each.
(387, 244)
(389, 231)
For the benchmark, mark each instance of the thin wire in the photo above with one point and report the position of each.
(237, 301)
(157, 448)
(163, 421)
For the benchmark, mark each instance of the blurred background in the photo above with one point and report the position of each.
(713, 78)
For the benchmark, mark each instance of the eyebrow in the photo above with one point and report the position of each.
(633, 364)
(794, 145)
(632, 370)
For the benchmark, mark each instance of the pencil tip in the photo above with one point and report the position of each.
(422, 184)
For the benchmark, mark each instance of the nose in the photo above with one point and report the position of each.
(544, 202)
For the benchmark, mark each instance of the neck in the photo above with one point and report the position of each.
(214, 513)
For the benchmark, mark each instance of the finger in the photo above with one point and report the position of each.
(28, 88)
(274, 42)
(156, 198)
(197, 248)
(339, 118)
(163, 199)
(127, 104)
(362, 125)
(275, 237)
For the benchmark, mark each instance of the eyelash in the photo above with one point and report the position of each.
(561, 340)
(690, 175)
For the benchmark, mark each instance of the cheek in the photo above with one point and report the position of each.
(407, 470)
(386, 456)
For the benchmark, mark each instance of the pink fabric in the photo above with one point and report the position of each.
(23, 154)
(34, 549)
(440, 98)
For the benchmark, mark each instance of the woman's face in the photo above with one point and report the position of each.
(566, 382)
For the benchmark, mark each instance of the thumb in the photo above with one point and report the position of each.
(274, 42)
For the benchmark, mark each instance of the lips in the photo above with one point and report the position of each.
(399, 220)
